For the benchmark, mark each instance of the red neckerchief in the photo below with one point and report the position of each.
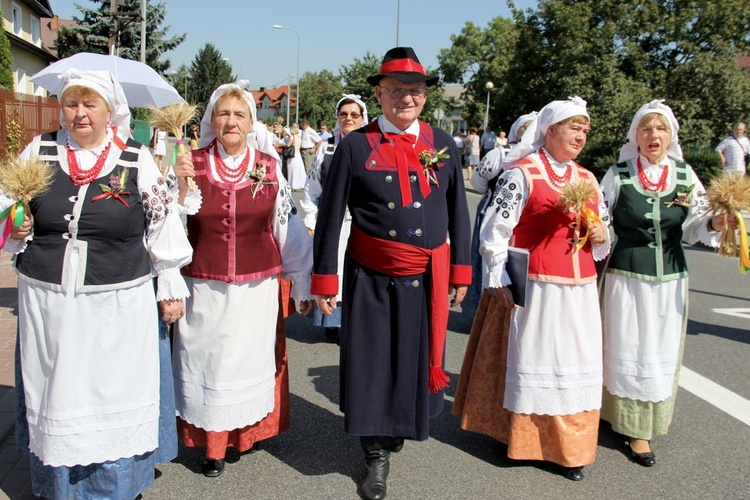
(398, 150)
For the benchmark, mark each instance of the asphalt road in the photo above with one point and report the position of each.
(705, 455)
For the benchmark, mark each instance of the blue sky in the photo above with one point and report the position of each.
(332, 33)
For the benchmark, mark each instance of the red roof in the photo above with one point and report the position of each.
(274, 95)
(744, 61)
(50, 25)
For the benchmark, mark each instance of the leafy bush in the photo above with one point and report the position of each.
(704, 160)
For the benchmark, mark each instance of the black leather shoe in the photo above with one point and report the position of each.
(213, 468)
(645, 459)
(572, 473)
(332, 334)
(397, 444)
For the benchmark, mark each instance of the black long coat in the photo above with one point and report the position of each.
(384, 341)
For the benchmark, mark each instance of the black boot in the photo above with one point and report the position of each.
(377, 452)
(397, 444)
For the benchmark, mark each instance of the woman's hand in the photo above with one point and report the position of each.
(20, 233)
(721, 221)
(458, 296)
(172, 310)
(184, 170)
(305, 306)
(597, 234)
(326, 303)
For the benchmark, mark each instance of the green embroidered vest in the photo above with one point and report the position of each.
(649, 233)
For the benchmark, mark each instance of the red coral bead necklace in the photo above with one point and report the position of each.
(82, 177)
(557, 180)
(655, 187)
(228, 174)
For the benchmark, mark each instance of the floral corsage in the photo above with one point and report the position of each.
(115, 188)
(431, 160)
(682, 198)
(260, 181)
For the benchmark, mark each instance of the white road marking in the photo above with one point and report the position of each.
(721, 397)
(740, 312)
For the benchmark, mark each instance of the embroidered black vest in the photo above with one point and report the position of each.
(108, 235)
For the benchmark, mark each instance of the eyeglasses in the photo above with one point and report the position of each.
(399, 92)
(353, 114)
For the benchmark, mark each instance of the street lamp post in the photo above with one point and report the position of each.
(280, 27)
(398, 21)
(288, 98)
(238, 62)
(489, 86)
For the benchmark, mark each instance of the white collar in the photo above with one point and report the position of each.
(647, 165)
(72, 144)
(387, 126)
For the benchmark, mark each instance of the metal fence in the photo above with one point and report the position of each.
(33, 114)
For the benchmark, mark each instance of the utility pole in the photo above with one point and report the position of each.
(113, 28)
(133, 17)
(143, 33)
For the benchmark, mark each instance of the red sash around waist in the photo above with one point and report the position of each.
(393, 258)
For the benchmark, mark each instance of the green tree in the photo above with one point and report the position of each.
(708, 94)
(355, 76)
(207, 71)
(69, 42)
(478, 56)
(95, 26)
(6, 75)
(616, 55)
(180, 80)
(319, 94)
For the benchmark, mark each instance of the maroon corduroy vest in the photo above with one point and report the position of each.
(231, 235)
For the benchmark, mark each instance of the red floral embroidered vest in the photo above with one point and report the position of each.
(547, 232)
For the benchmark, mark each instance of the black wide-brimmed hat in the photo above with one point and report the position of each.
(402, 64)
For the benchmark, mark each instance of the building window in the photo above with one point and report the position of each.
(16, 19)
(36, 31)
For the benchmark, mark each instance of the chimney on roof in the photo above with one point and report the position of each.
(54, 23)
(262, 89)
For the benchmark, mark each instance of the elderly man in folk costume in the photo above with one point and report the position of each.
(401, 180)
(544, 402)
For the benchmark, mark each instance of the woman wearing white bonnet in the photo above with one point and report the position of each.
(230, 372)
(483, 180)
(655, 203)
(545, 391)
(90, 351)
(351, 114)
(258, 137)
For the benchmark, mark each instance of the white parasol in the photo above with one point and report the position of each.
(143, 86)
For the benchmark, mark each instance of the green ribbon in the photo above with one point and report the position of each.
(20, 210)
